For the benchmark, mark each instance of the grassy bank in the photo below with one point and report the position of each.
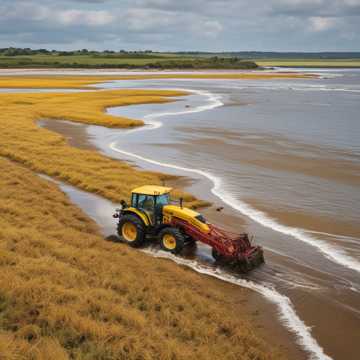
(82, 82)
(46, 152)
(66, 293)
(42, 58)
(123, 61)
(311, 63)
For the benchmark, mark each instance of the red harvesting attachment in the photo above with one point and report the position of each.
(234, 249)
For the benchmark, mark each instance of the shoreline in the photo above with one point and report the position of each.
(83, 81)
(66, 291)
(333, 253)
(260, 308)
(137, 129)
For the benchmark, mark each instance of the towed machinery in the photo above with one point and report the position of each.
(152, 214)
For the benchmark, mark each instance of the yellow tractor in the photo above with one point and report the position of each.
(151, 214)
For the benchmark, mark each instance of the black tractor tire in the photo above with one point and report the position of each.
(261, 258)
(171, 240)
(245, 266)
(131, 230)
(189, 241)
(217, 256)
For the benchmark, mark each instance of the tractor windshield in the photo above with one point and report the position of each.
(163, 199)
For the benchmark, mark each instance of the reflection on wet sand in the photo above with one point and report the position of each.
(324, 227)
(277, 152)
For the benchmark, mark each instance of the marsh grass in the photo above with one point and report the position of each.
(82, 82)
(46, 152)
(311, 63)
(67, 293)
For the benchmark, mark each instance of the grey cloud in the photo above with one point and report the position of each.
(182, 25)
(335, 8)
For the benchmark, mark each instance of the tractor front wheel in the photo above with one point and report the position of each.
(171, 240)
(132, 230)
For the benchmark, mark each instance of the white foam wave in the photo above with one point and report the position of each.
(335, 235)
(355, 289)
(214, 101)
(307, 87)
(287, 312)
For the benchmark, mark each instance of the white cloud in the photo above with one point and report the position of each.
(318, 23)
(84, 17)
(209, 28)
(146, 19)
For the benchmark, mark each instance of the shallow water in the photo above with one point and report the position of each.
(283, 157)
(306, 153)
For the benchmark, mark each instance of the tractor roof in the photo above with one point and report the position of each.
(152, 190)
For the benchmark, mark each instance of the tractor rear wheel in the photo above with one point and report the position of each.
(171, 240)
(132, 230)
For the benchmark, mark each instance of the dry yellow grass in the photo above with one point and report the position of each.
(60, 82)
(78, 82)
(64, 291)
(67, 293)
(46, 152)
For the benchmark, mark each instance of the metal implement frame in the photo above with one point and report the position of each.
(232, 247)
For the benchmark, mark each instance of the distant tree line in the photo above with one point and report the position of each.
(214, 62)
(26, 57)
(171, 64)
(12, 51)
(19, 51)
(276, 55)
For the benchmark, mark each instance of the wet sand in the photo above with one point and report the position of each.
(317, 224)
(296, 157)
(74, 133)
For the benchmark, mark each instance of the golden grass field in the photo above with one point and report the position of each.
(78, 82)
(67, 293)
(311, 63)
(46, 152)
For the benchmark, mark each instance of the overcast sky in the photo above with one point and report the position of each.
(207, 25)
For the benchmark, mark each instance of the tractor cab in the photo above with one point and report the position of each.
(150, 200)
